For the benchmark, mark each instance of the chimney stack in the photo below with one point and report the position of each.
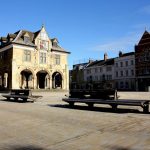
(105, 56)
(90, 60)
(120, 53)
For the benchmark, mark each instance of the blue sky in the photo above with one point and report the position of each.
(86, 28)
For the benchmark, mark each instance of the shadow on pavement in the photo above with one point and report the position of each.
(25, 148)
(98, 109)
(119, 148)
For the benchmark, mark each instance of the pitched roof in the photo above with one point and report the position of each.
(19, 38)
(80, 66)
(102, 62)
(127, 54)
(59, 49)
(145, 39)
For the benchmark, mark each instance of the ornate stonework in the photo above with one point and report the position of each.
(33, 60)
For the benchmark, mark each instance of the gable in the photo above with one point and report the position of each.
(26, 34)
(145, 38)
(42, 35)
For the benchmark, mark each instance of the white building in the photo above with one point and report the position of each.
(125, 71)
(100, 70)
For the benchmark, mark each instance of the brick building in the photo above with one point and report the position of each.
(32, 60)
(142, 62)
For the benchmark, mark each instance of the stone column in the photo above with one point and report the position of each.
(62, 84)
(20, 81)
(50, 83)
(34, 82)
(5, 79)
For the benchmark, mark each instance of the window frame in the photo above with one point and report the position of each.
(42, 58)
(27, 55)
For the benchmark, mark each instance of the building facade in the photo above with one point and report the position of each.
(142, 63)
(125, 71)
(100, 71)
(32, 60)
(77, 73)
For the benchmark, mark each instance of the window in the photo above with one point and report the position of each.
(43, 45)
(116, 73)
(116, 64)
(121, 84)
(132, 72)
(88, 71)
(42, 58)
(57, 59)
(95, 70)
(101, 69)
(54, 43)
(126, 72)
(26, 39)
(121, 64)
(126, 85)
(132, 62)
(27, 55)
(109, 77)
(121, 73)
(126, 63)
(108, 68)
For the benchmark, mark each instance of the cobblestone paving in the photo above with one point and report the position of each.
(49, 124)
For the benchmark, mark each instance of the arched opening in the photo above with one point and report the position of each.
(57, 80)
(42, 79)
(26, 79)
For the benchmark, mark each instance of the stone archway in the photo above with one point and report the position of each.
(56, 80)
(42, 79)
(26, 79)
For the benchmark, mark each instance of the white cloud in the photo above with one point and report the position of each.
(124, 43)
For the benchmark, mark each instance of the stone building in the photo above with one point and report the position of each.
(32, 60)
(142, 62)
(125, 71)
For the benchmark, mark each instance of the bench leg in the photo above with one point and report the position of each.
(114, 107)
(15, 99)
(71, 104)
(25, 99)
(90, 104)
(146, 108)
(8, 98)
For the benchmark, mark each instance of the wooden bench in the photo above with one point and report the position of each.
(16, 94)
(113, 103)
(96, 94)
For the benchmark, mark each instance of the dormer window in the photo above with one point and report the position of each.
(26, 39)
(55, 42)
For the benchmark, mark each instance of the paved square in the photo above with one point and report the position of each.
(49, 124)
